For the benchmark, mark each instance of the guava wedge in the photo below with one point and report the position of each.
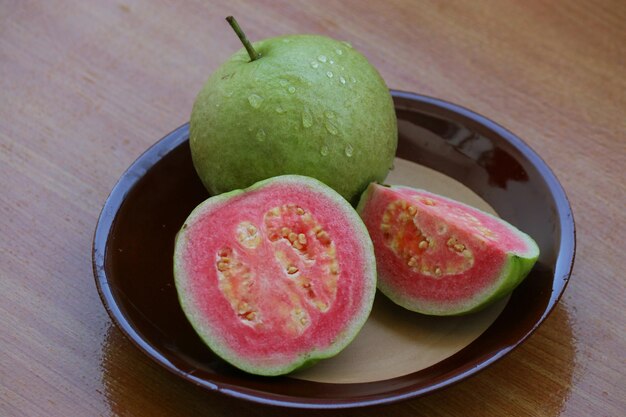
(438, 256)
(276, 276)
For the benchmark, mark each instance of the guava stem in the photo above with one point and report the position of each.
(254, 55)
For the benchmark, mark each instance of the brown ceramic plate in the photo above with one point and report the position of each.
(133, 246)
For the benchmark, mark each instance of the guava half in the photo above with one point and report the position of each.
(275, 276)
(438, 256)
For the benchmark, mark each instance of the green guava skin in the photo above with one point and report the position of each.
(310, 105)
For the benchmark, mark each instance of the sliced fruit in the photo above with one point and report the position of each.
(275, 276)
(441, 257)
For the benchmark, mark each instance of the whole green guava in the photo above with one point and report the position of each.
(309, 105)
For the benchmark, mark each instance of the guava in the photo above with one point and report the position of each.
(276, 276)
(307, 105)
(438, 256)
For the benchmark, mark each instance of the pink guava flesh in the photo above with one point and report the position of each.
(277, 275)
(438, 256)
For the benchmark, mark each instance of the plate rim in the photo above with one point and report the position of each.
(134, 173)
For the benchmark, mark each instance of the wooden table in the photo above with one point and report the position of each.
(86, 86)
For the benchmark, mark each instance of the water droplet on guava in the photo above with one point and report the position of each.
(280, 110)
(349, 150)
(353, 79)
(292, 89)
(314, 64)
(342, 80)
(329, 114)
(324, 150)
(307, 118)
(322, 58)
(331, 61)
(347, 44)
(255, 100)
(229, 94)
(260, 135)
(283, 83)
(339, 51)
(329, 74)
(332, 129)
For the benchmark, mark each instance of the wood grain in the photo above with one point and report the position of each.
(86, 86)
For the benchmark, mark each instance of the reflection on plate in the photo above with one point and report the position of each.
(133, 263)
